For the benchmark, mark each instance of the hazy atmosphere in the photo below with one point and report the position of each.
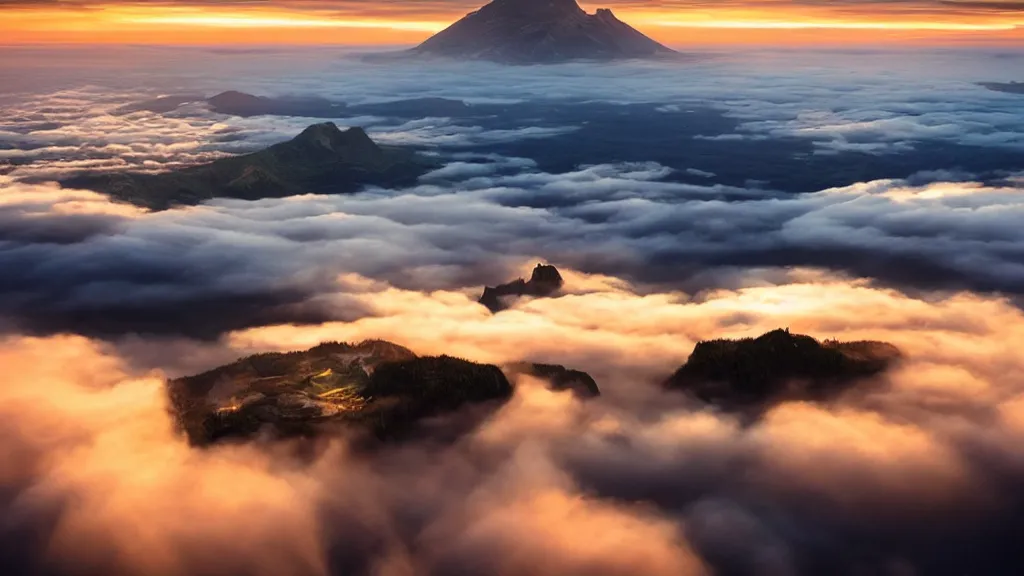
(768, 321)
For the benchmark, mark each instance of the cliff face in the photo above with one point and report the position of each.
(539, 32)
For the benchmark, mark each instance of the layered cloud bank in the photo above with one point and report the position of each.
(89, 266)
(917, 473)
(720, 198)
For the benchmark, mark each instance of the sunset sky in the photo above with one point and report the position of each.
(676, 22)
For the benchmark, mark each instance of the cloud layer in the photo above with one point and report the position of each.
(83, 264)
(917, 474)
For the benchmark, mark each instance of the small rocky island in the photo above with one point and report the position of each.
(374, 387)
(753, 373)
(545, 281)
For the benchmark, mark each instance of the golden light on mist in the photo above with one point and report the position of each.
(804, 19)
(269, 19)
(113, 24)
(603, 322)
(116, 23)
(827, 25)
(100, 437)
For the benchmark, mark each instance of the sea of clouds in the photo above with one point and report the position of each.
(917, 473)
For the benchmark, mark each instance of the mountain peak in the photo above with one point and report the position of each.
(234, 95)
(328, 136)
(540, 32)
(536, 8)
(320, 129)
(547, 275)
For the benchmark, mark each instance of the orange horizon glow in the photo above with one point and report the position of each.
(168, 24)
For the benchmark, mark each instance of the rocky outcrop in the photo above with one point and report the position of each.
(777, 366)
(559, 378)
(545, 281)
(402, 393)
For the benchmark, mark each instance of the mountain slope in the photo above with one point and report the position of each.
(540, 31)
(322, 159)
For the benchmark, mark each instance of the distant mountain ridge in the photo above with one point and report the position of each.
(322, 159)
(237, 103)
(540, 32)
(1007, 87)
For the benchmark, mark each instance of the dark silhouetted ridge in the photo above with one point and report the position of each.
(242, 104)
(322, 159)
(374, 386)
(559, 378)
(1008, 87)
(540, 31)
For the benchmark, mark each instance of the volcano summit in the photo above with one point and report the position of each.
(540, 32)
